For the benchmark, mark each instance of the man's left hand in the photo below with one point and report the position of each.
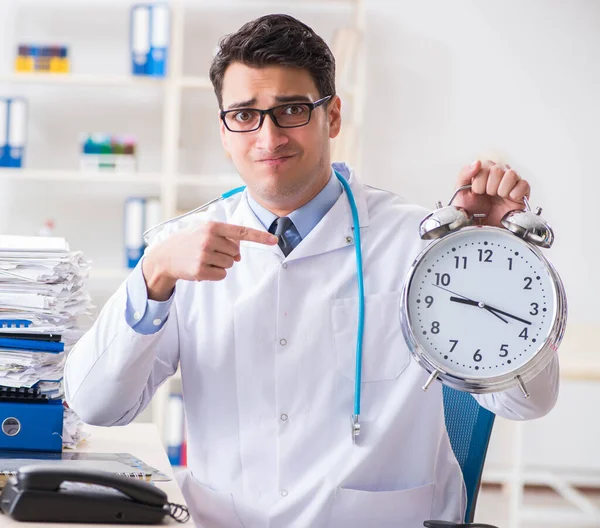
(496, 189)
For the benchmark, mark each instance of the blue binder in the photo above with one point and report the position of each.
(31, 426)
(13, 120)
(133, 216)
(149, 39)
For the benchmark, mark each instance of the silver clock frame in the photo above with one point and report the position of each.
(516, 378)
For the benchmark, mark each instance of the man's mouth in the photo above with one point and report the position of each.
(275, 158)
(275, 161)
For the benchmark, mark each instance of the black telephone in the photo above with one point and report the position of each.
(52, 493)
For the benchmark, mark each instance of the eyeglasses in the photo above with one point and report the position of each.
(290, 115)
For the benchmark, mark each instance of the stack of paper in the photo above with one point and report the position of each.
(42, 298)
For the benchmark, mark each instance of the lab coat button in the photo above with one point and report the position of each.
(137, 316)
(284, 265)
(284, 493)
(283, 342)
(349, 240)
(284, 417)
(156, 322)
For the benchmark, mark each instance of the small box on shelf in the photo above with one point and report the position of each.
(106, 152)
(47, 59)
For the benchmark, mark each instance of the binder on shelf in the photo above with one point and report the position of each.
(149, 39)
(174, 428)
(153, 214)
(31, 426)
(134, 229)
(13, 121)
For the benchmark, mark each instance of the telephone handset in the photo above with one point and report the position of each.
(58, 494)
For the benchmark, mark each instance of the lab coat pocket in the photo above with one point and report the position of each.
(208, 507)
(406, 508)
(385, 354)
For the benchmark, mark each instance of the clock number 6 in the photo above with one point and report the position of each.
(477, 356)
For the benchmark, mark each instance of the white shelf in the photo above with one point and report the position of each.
(128, 178)
(82, 79)
(89, 79)
(80, 176)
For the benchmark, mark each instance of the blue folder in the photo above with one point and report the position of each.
(32, 344)
(31, 426)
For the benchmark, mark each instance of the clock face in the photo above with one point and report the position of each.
(481, 303)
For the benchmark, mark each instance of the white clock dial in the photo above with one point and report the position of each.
(481, 303)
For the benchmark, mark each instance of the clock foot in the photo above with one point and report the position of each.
(434, 375)
(522, 387)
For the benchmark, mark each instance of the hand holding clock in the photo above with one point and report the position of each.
(496, 190)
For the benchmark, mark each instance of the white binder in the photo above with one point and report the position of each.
(134, 229)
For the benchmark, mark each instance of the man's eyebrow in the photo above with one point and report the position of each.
(280, 99)
(242, 104)
(293, 98)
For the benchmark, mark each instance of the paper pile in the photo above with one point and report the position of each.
(42, 298)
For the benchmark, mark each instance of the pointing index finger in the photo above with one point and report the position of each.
(238, 232)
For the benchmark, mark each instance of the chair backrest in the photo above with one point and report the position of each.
(469, 427)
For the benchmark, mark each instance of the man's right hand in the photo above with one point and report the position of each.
(204, 253)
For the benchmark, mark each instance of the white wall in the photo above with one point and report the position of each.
(446, 82)
(449, 82)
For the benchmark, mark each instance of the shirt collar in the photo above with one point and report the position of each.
(309, 215)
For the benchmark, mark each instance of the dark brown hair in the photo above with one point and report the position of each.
(275, 40)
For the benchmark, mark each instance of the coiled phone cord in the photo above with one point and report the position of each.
(178, 512)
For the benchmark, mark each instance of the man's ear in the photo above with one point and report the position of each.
(334, 114)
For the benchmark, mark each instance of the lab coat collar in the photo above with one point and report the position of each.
(335, 230)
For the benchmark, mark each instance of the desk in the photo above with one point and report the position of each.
(139, 439)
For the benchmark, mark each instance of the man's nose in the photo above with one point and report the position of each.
(270, 136)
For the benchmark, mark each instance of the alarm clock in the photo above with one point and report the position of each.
(483, 310)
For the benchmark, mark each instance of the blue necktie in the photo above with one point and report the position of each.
(285, 229)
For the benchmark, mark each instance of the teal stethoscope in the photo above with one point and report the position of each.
(359, 276)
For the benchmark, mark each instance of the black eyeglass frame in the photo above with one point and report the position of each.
(270, 113)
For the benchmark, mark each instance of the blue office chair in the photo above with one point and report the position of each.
(469, 427)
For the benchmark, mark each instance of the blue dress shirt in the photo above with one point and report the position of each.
(147, 316)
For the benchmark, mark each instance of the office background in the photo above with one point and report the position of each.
(443, 83)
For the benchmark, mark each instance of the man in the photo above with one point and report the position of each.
(265, 333)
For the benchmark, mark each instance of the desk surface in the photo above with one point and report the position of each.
(141, 440)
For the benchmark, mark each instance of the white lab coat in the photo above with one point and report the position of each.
(267, 361)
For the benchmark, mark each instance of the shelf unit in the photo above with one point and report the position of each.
(167, 180)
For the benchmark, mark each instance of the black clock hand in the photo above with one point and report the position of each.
(495, 311)
(475, 303)
(467, 301)
(479, 304)
(509, 315)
